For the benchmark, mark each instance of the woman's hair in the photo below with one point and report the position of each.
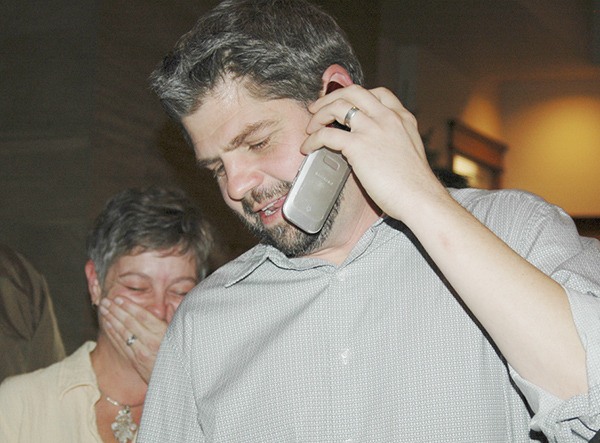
(277, 48)
(149, 219)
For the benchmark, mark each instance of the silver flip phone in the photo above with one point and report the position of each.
(315, 189)
(317, 185)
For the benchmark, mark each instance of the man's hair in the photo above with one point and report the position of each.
(277, 48)
(149, 219)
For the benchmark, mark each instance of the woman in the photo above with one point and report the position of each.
(147, 249)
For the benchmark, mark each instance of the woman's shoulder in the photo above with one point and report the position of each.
(50, 377)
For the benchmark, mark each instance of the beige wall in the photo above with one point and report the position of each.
(549, 120)
(553, 130)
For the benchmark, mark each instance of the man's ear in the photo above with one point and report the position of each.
(93, 283)
(336, 74)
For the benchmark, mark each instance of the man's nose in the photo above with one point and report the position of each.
(242, 177)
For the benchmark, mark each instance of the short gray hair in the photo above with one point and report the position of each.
(278, 48)
(149, 219)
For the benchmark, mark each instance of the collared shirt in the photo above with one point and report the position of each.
(54, 404)
(377, 349)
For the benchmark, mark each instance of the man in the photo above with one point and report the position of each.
(415, 314)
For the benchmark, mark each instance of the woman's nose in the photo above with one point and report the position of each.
(159, 309)
(164, 306)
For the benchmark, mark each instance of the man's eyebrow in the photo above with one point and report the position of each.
(205, 163)
(239, 139)
(247, 132)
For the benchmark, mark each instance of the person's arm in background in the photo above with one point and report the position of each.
(29, 334)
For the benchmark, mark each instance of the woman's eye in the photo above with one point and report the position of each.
(181, 292)
(134, 288)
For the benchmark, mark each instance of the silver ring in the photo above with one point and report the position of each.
(353, 110)
(132, 338)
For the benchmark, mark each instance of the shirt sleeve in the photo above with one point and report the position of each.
(576, 419)
(170, 411)
(547, 237)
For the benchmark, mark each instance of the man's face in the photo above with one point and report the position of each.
(155, 280)
(252, 146)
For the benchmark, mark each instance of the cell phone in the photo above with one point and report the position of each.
(317, 186)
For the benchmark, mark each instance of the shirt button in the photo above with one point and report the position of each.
(344, 355)
(342, 275)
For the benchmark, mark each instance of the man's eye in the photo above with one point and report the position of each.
(215, 168)
(260, 145)
(218, 171)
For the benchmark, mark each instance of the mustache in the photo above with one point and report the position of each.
(257, 196)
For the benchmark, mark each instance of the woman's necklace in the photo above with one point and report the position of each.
(123, 427)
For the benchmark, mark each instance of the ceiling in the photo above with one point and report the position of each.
(504, 38)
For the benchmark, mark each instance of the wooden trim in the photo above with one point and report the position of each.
(478, 147)
(469, 143)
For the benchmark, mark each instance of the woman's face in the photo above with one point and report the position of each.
(155, 280)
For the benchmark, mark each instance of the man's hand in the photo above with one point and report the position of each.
(384, 147)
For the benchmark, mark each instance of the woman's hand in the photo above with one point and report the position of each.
(123, 319)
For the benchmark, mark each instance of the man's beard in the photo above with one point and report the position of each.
(286, 237)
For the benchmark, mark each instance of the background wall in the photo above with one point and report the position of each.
(553, 129)
(524, 72)
(47, 74)
(78, 122)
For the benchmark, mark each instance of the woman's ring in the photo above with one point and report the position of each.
(353, 110)
(132, 338)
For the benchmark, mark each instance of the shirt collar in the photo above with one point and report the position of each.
(256, 256)
(77, 370)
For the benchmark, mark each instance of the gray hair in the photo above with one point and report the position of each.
(149, 219)
(278, 48)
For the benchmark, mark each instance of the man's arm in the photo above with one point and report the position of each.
(170, 413)
(525, 312)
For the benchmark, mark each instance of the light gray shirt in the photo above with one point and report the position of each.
(377, 349)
